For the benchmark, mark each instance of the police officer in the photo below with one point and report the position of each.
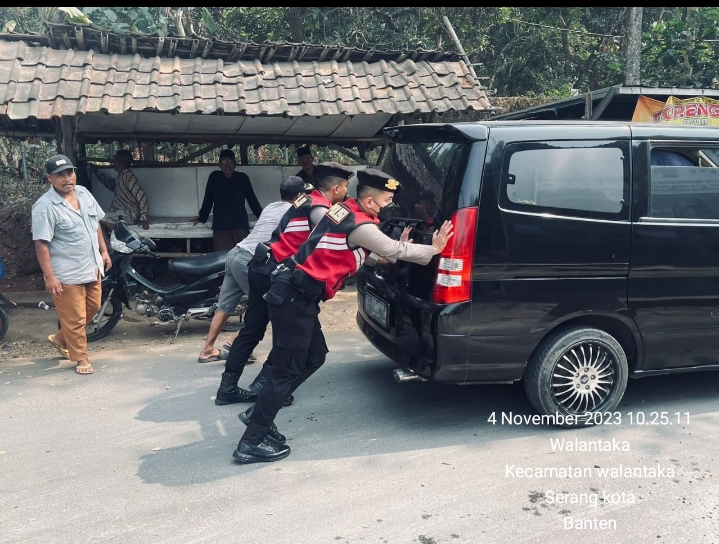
(342, 242)
(331, 180)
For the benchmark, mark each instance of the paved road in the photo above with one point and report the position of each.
(139, 453)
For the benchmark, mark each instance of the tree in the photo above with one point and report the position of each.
(632, 73)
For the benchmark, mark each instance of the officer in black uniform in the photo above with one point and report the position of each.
(294, 228)
(335, 250)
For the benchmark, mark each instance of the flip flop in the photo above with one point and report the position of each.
(62, 351)
(227, 347)
(84, 369)
(212, 359)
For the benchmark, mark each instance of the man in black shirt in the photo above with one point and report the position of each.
(226, 192)
(305, 158)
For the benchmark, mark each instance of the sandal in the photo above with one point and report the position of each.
(84, 369)
(62, 351)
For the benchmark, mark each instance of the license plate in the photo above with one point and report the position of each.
(377, 309)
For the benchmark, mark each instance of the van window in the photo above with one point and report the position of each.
(431, 175)
(684, 183)
(587, 179)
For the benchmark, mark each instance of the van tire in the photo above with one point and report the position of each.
(586, 394)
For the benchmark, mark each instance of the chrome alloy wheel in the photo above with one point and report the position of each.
(583, 377)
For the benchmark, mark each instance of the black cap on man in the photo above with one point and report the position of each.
(294, 185)
(58, 163)
(333, 170)
(377, 179)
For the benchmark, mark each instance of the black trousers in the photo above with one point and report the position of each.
(256, 317)
(298, 350)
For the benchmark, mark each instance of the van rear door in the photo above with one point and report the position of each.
(440, 170)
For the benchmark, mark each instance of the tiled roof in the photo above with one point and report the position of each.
(42, 83)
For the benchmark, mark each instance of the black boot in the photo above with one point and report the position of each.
(264, 452)
(229, 393)
(273, 435)
(262, 378)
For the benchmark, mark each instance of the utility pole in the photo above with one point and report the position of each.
(632, 71)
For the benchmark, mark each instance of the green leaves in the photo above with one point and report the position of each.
(209, 21)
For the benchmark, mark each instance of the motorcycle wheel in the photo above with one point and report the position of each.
(3, 322)
(113, 313)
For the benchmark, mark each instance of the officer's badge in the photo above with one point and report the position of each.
(338, 213)
(392, 184)
(300, 200)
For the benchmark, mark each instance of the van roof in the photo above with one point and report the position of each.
(479, 130)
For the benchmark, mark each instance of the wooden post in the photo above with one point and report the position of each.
(244, 159)
(67, 144)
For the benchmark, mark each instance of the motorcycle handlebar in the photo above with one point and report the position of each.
(145, 249)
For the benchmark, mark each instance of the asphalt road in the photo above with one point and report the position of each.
(138, 452)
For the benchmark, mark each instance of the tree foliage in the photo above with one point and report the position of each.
(522, 51)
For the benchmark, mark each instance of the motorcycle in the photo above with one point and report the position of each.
(4, 320)
(196, 297)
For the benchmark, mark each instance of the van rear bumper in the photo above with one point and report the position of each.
(411, 343)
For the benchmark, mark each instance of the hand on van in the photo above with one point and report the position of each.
(404, 237)
(442, 236)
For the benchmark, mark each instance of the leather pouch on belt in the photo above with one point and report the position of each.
(280, 291)
(307, 285)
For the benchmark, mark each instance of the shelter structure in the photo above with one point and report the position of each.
(616, 103)
(87, 84)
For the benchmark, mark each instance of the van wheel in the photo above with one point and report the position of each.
(579, 371)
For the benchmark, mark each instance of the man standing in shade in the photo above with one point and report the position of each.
(130, 202)
(307, 161)
(225, 196)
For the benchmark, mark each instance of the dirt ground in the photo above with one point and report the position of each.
(29, 327)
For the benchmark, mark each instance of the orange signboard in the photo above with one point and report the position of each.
(691, 111)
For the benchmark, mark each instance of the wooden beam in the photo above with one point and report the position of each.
(351, 155)
(201, 152)
(382, 154)
(249, 139)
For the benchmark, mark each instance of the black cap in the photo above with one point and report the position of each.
(371, 177)
(294, 185)
(227, 154)
(303, 151)
(58, 163)
(333, 169)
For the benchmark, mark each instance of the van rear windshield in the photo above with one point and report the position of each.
(431, 176)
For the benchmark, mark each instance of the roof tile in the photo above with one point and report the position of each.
(66, 82)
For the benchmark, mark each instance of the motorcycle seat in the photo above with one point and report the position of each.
(194, 267)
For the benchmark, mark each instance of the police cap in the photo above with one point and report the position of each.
(333, 169)
(371, 177)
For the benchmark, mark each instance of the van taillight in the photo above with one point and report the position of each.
(454, 270)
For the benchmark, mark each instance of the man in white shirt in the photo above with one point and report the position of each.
(236, 282)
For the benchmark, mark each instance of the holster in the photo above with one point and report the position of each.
(307, 285)
(262, 253)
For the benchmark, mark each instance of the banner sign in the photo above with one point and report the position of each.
(691, 111)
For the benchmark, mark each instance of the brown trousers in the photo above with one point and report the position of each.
(76, 306)
(226, 239)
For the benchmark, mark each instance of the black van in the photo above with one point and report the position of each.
(584, 252)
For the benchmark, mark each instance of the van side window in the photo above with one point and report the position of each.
(586, 179)
(684, 183)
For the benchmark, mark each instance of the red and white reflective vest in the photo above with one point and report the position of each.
(294, 227)
(326, 256)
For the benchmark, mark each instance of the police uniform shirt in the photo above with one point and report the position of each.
(371, 238)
